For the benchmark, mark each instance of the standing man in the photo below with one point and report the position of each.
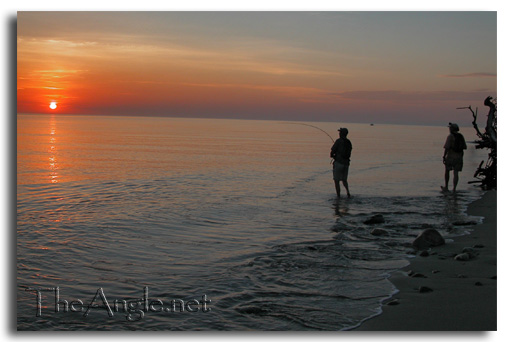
(341, 152)
(453, 155)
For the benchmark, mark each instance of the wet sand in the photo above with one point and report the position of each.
(463, 296)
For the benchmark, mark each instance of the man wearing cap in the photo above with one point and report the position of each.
(453, 155)
(341, 152)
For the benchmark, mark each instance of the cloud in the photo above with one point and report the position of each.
(411, 96)
(305, 93)
(473, 74)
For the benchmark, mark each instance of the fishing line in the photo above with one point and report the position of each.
(304, 124)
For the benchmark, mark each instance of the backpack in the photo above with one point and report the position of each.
(347, 149)
(342, 150)
(459, 144)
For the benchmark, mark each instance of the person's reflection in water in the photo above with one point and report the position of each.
(341, 209)
(453, 210)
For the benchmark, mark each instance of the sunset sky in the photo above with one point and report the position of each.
(391, 67)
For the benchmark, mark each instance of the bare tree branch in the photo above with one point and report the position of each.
(475, 113)
(486, 174)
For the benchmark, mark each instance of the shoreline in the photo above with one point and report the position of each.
(464, 293)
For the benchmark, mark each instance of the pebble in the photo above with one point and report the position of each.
(418, 275)
(425, 289)
(462, 257)
(379, 232)
(435, 271)
(472, 253)
(393, 302)
(424, 253)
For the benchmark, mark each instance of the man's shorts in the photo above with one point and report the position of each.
(341, 170)
(454, 164)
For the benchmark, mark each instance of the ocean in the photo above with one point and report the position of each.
(148, 223)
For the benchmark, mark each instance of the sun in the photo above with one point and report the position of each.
(53, 105)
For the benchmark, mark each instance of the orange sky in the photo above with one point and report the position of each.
(399, 67)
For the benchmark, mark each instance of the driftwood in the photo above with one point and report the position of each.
(487, 139)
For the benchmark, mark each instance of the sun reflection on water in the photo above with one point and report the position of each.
(53, 165)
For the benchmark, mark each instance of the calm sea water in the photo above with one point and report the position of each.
(231, 225)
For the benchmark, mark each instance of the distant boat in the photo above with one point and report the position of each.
(372, 124)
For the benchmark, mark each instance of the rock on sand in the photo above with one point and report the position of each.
(375, 219)
(428, 238)
(379, 232)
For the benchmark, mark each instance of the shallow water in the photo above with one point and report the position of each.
(242, 212)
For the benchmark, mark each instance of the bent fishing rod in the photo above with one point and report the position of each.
(304, 124)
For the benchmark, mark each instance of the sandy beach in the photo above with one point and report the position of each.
(460, 295)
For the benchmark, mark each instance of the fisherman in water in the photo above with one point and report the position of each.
(341, 152)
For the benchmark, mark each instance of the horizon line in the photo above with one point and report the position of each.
(245, 119)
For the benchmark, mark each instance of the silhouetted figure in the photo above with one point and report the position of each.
(453, 155)
(341, 152)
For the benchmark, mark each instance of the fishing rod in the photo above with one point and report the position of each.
(304, 124)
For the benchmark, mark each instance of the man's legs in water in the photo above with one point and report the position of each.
(338, 188)
(455, 180)
(345, 183)
(446, 179)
